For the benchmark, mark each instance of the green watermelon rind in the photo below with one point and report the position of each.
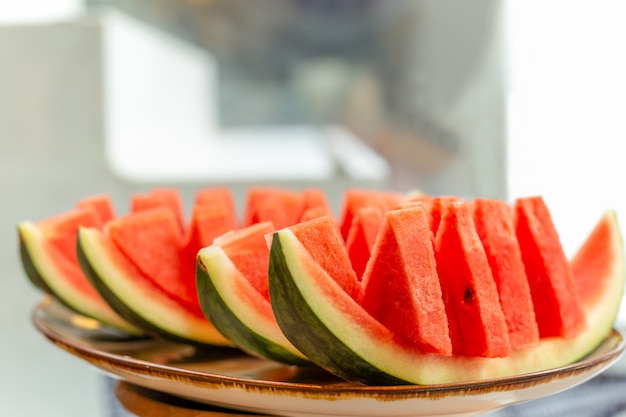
(334, 332)
(138, 302)
(236, 309)
(41, 271)
(34, 276)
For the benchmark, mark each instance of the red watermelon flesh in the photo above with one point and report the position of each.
(423, 200)
(322, 239)
(62, 230)
(558, 308)
(437, 205)
(494, 224)
(273, 210)
(102, 204)
(594, 258)
(208, 221)
(313, 199)
(216, 195)
(272, 204)
(212, 215)
(151, 240)
(356, 198)
(362, 235)
(315, 212)
(160, 197)
(401, 284)
(476, 321)
(248, 251)
(68, 222)
(74, 275)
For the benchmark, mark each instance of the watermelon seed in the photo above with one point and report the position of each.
(468, 296)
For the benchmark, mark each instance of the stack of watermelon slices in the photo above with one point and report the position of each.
(399, 288)
(453, 291)
(137, 272)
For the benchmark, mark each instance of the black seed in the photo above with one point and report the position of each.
(468, 296)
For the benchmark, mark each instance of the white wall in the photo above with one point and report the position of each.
(39, 11)
(567, 108)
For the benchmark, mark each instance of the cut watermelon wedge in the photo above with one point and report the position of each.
(48, 255)
(494, 224)
(232, 286)
(137, 298)
(209, 219)
(476, 321)
(151, 241)
(403, 269)
(336, 333)
(558, 308)
(102, 204)
(157, 198)
(362, 235)
(280, 206)
(327, 249)
(313, 200)
(356, 198)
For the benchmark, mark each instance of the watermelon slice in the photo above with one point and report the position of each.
(403, 269)
(280, 206)
(221, 196)
(476, 321)
(248, 250)
(362, 235)
(211, 216)
(335, 332)
(494, 224)
(48, 254)
(136, 297)
(207, 223)
(328, 249)
(103, 206)
(436, 208)
(160, 197)
(152, 241)
(232, 285)
(313, 199)
(556, 300)
(355, 199)
(599, 257)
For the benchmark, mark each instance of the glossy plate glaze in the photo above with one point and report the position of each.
(228, 378)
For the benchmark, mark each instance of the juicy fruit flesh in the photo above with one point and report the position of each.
(402, 338)
(414, 289)
(476, 320)
(494, 225)
(137, 297)
(58, 275)
(329, 251)
(361, 237)
(555, 297)
(238, 310)
(247, 250)
(307, 296)
(151, 239)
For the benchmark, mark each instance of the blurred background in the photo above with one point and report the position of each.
(483, 98)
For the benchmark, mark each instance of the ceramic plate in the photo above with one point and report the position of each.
(227, 378)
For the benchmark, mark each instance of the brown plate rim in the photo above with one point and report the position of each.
(514, 382)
